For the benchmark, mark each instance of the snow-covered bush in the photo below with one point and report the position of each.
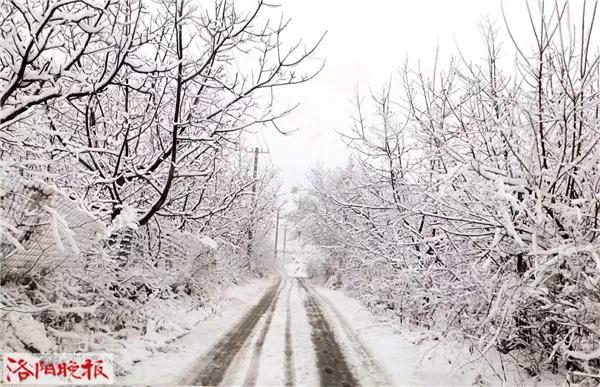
(101, 287)
(472, 199)
(124, 182)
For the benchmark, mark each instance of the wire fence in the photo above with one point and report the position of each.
(65, 271)
(42, 230)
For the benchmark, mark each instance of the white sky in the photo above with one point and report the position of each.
(367, 41)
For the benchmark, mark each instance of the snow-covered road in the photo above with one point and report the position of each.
(287, 331)
(292, 336)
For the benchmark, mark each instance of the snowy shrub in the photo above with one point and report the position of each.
(472, 199)
(123, 180)
(77, 299)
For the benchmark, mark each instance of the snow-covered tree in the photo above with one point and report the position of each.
(474, 194)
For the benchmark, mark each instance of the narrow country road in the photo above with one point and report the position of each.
(292, 336)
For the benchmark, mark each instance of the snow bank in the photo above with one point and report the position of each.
(177, 339)
(417, 357)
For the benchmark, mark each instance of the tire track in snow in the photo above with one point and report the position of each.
(332, 366)
(289, 353)
(367, 363)
(220, 357)
(252, 374)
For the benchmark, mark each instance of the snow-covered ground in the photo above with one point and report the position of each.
(263, 361)
(418, 357)
(283, 346)
(165, 357)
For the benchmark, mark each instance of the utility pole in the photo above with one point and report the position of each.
(254, 173)
(276, 233)
(253, 207)
(284, 242)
